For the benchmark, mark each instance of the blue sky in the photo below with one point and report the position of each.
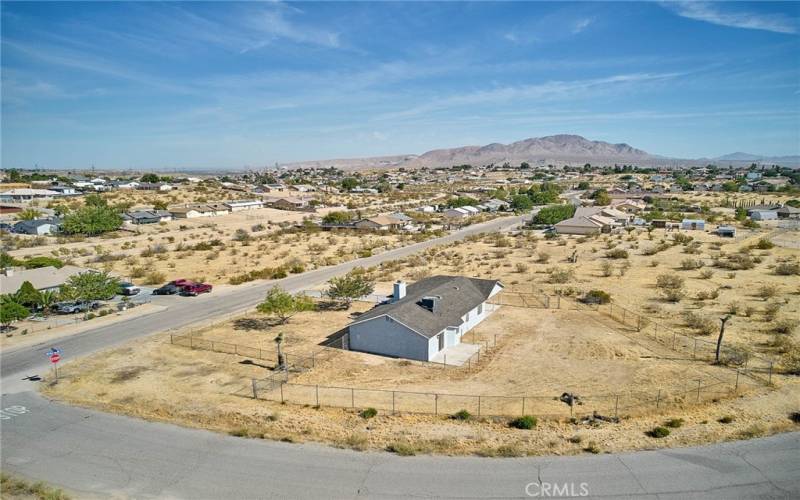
(163, 85)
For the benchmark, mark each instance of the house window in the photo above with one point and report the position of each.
(480, 309)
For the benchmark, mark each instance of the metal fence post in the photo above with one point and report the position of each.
(736, 387)
(658, 398)
(393, 411)
(435, 404)
(255, 391)
(282, 400)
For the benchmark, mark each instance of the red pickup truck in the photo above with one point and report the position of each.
(195, 289)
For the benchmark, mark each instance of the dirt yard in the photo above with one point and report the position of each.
(539, 353)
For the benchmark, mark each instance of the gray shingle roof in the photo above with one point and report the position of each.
(458, 295)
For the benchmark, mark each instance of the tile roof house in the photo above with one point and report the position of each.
(380, 222)
(423, 319)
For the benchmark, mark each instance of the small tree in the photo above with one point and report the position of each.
(351, 286)
(27, 295)
(283, 305)
(91, 286)
(28, 214)
(92, 220)
(11, 311)
(46, 299)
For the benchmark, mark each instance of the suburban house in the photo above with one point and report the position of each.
(423, 319)
(155, 186)
(764, 214)
(380, 222)
(240, 205)
(461, 212)
(38, 226)
(192, 211)
(629, 205)
(42, 278)
(693, 224)
(287, 203)
(593, 224)
(27, 194)
(146, 216)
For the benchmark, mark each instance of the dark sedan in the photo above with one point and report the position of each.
(168, 289)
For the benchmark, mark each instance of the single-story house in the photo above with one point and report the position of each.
(42, 278)
(693, 224)
(493, 205)
(460, 212)
(380, 222)
(288, 203)
(584, 224)
(788, 212)
(273, 188)
(425, 318)
(64, 190)
(428, 209)
(146, 216)
(764, 214)
(240, 205)
(155, 186)
(25, 194)
(192, 211)
(125, 184)
(629, 205)
(302, 188)
(38, 226)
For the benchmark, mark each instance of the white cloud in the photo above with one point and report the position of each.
(712, 13)
(581, 25)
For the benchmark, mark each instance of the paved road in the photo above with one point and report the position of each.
(96, 454)
(89, 452)
(183, 311)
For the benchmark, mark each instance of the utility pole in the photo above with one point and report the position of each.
(723, 320)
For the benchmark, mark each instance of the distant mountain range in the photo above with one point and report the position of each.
(554, 149)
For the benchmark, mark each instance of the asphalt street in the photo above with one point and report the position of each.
(93, 454)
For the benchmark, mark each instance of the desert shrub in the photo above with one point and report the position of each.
(787, 268)
(764, 244)
(368, 413)
(593, 448)
(91, 316)
(559, 275)
(658, 432)
(674, 423)
(402, 449)
(768, 291)
(790, 361)
(727, 419)
(154, 278)
(701, 324)
(461, 415)
(691, 264)
(671, 287)
(521, 267)
(771, 311)
(138, 272)
(735, 308)
(681, 239)
(524, 422)
(607, 268)
(784, 326)
(707, 294)
(617, 253)
(736, 262)
(596, 297)
(543, 257)
(706, 274)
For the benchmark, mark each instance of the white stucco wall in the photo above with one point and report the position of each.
(382, 335)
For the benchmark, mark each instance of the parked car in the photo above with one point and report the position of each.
(77, 306)
(128, 289)
(196, 289)
(168, 289)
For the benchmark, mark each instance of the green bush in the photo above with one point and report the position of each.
(368, 413)
(617, 253)
(461, 415)
(674, 423)
(596, 297)
(403, 449)
(554, 214)
(524, 422)
(658, 432)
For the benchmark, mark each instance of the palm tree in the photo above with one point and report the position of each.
(46, 299)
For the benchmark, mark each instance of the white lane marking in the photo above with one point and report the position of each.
(12, 411)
